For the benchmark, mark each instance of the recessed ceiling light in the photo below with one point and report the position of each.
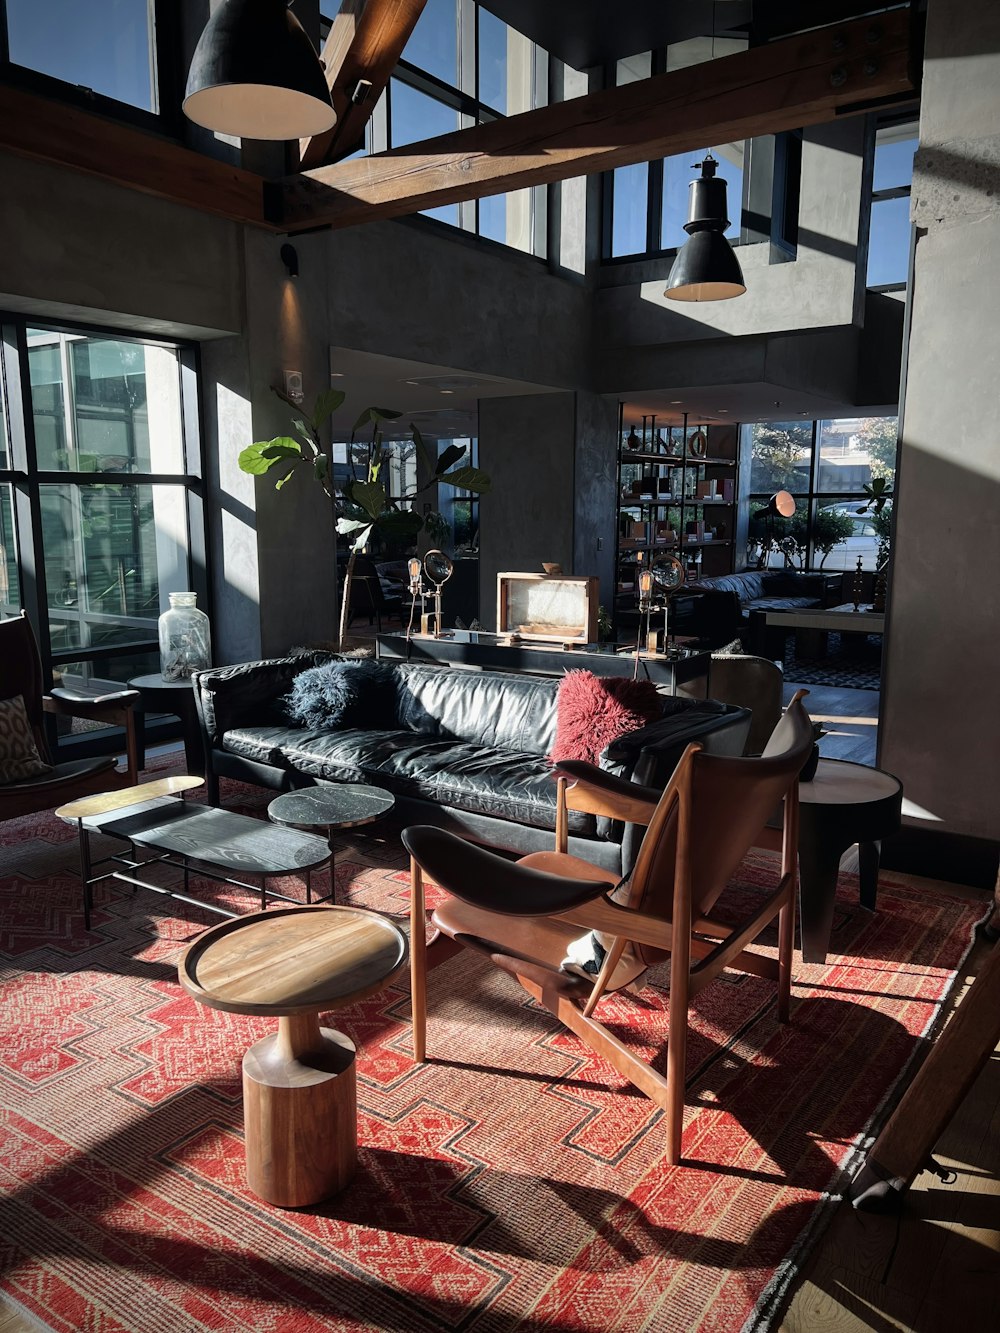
(415, 383)
(336, 374)
(722, 410)
(676, 402)
(447, 391)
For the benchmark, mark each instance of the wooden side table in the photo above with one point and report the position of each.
(299, 1085)
(844, 804)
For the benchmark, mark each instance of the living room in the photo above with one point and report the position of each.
(151, 306)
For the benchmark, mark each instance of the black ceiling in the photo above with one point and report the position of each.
(596, 32)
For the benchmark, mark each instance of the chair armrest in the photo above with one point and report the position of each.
(96, 707)
(487, 880)
(598, 792)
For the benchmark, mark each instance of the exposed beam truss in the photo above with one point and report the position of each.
(801, 80)
(364, 43)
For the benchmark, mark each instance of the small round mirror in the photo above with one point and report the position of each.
(438, 567)
(668, 574)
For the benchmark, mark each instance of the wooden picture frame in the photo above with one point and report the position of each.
(548, 608)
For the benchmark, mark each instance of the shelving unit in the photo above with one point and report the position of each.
(666, 506)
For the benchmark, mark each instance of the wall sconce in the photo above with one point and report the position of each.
(290, 259)
(256, 75)
(706, 267)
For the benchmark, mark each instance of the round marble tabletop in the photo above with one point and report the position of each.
(347, 805)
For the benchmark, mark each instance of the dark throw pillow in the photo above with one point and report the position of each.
(344, 694)
(592, 711)
(19, 757)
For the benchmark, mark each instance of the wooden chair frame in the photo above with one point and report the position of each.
(699, 946)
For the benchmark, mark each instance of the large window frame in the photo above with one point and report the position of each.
(463, 99)
(169, 69)
(24, 479)
(813, 496)
(890, 129)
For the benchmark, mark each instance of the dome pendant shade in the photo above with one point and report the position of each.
(256, 75)
(706, 267)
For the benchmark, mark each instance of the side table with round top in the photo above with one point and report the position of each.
(299, 1084)
(346, 805)
(845, 803)
(173, 696)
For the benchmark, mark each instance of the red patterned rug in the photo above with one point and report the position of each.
(512, 1183)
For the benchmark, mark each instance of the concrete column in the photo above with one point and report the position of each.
(551, 460)
(940, 729)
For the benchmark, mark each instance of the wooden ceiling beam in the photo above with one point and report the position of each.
(49, 131)
(801, 80)
(365, 42)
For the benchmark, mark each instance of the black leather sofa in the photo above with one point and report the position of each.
(721, 607)
(465, 750)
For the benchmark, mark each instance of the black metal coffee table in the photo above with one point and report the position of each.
(221, 844)
(346, 805)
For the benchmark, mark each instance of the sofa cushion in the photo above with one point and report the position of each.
(360, 693)
(593, 711)
(781, 603)
(490, 708)
(503, 783)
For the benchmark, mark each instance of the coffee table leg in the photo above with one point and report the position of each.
(300, 1112)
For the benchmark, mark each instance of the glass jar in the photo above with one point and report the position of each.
(185, 638)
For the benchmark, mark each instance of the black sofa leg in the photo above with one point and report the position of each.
(212, 785)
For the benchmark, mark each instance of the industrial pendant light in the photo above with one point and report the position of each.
(706, 268)
(256, 75)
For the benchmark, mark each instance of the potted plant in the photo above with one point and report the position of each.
(363, 506)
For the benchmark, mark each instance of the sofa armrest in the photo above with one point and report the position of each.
(248, 693)
(650, 755)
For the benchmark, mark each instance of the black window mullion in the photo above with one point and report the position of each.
(27, 501)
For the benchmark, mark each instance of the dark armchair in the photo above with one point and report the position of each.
(21, 674)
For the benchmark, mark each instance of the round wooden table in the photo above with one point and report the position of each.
(299, 1085)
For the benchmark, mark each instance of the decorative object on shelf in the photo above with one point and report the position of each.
(706, 268)
(185, 638)
(557, 608)
(256, 75)
(439, 568)
(668, 577)
(698, 444)
(859, 582)
(549, 568)
(633, 442)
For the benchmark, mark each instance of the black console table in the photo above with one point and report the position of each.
(488, 653)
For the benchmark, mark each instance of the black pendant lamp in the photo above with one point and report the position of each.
(256, 75)
(706, 267)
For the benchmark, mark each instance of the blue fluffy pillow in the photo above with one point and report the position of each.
(344, 694)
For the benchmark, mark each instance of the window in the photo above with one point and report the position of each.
(647, 203)
(99, 497)
(105, 46)
(889, 228)
(826, 466)
(458, 508)
(463, 66)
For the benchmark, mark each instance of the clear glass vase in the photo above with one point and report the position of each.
(185, 638)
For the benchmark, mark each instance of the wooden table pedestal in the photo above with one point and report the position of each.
(300, 1106)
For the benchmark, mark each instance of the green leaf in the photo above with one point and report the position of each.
(282, 448)
(375, 414)
(468, 479)
(258, 457)
(422, 451)
(347, 525)
(362, 539)
(322, 466)
(369, 495)
(399, 523)
(451, 455)
(326, 404)
(288, 475)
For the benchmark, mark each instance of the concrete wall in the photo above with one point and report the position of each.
(87, 250)
(940, 718)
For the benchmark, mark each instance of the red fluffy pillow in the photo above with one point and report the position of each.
(592, 711)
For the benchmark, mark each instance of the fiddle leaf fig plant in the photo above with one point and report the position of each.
(878, 493)
(363, 505)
